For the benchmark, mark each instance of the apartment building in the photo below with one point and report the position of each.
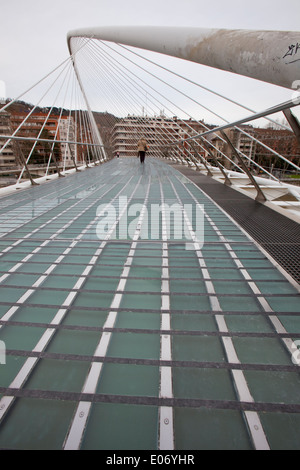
(249, 143)
(58, 127)
(282, 141)
(242, 141)
(160, 133)
(8, 157)
(66, 131)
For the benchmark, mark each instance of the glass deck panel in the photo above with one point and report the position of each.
(282, 429)
(45, 432)
(209, 429)
(125, 293)
(115, 432)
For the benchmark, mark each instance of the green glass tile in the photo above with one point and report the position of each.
(116, 251)
(197, 348)
(261, 351)
(74, 342)
(146, 261)
(251, 253)
(193, 322)
(206, 384)
(91, 299)
(129, 379)
(83, 259)
(47, 258)
(284, 304)
(36, 425)
(21, 337)
(107, 270)
(276, 288)
(55, 248)
(186, 286)
(290, 323)
(35, 314)
(148, 252)
(11, 295)
(235, 304)
(232, 287)
(190, 302)
(10, 369)
(138, 320)
(220, 263)
(21, 280)
(175, 248)
(262, 274)
(263, 263)
(123, 427)
(48, 297)
(248, 324)
(134, 345)
(34, 267)
(91, 318)
(4, 244)
(209, 429)
(26, 247)
(282, 430)
(141, 301)
(215, 252)
(58, 375)
(185, 273)
(3, 309)
(143, 285)
(188, 261)
(210, 236)
(232, 274)
(83, 249)
(68, 269)
(274, 386)
(63, 282)
(103, 283)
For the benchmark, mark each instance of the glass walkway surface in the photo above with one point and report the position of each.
(135, 314)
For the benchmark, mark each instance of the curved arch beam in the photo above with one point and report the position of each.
(269, 56)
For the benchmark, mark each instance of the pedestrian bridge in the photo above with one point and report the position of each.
(147, 307)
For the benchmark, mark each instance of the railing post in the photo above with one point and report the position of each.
(260, 195)
(25, 165)
(56, 166)
(227, 180)
(293, 122)
(72, 156)
(209, 173)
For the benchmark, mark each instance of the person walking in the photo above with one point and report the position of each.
(142, 149)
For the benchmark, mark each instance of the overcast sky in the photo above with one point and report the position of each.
(33, 32)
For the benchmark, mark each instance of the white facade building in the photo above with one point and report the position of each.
(158, 131)
(67, 132)
(8, 155)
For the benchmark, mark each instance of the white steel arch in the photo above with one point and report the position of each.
(269, 56)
